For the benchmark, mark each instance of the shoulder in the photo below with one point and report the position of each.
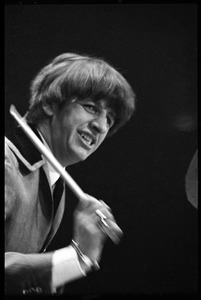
(23, 154)
(10, 158)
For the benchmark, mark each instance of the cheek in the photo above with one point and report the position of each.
(67, 125)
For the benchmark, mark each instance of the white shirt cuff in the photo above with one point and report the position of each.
(65, 266)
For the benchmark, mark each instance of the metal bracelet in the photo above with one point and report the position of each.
(92, 265)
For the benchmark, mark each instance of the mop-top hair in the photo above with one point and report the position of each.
(71, 76)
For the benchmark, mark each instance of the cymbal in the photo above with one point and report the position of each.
(191, 181)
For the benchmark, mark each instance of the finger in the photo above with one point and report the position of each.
(91, 204)
(109, 226)
(102, 202)
(112, 230)
(104, 212)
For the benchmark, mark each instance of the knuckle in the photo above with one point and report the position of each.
(32, 290)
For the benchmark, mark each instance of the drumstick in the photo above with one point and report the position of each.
(55, 163)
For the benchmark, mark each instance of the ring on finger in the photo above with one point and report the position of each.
(102, 217)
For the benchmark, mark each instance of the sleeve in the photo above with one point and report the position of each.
(44, 273)
(28, 273)
(66, 267)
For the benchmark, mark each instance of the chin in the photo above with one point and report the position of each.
(78, 157)
(82, 158)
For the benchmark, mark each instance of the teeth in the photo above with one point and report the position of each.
(86, 138)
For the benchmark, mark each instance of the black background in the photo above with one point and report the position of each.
(140, 172)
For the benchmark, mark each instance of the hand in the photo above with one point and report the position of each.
(89, 232)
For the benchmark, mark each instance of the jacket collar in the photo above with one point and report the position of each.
(28, 155)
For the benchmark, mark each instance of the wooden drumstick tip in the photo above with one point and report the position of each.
(12, 109)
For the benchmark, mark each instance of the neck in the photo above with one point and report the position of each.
(44, 130)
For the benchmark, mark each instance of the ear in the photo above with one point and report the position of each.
(48, 109)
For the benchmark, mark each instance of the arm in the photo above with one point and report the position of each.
(41, 273)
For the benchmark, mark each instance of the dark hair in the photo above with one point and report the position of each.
(71, 76)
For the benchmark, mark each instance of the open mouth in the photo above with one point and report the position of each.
(87, 138)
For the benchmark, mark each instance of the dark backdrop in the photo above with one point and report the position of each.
(140, 172)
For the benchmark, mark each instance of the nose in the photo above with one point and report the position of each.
(99, 124)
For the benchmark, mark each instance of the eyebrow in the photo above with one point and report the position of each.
(102, 104)
(110, 110)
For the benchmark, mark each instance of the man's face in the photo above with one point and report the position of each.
(78, 130)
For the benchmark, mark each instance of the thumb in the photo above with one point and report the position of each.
(84, 201)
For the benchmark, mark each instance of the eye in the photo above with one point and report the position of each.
(90, 108)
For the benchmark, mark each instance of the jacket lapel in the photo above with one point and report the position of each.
(32, 156)
(29, 157)
(32, 160)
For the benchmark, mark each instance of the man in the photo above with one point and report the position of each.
(76, 102)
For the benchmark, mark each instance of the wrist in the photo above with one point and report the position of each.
(85, 262)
